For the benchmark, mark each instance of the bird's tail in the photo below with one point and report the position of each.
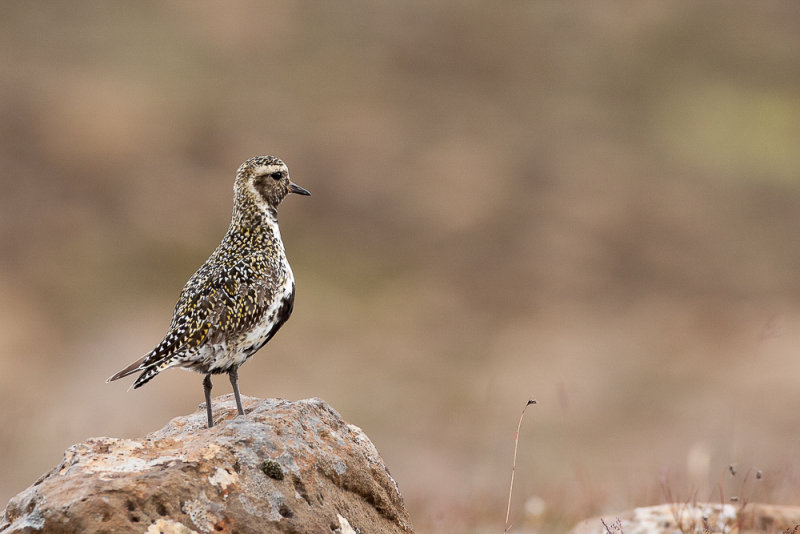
(132, 368)
(148, 373)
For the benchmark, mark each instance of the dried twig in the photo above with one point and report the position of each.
(514, 465)
(616, 525)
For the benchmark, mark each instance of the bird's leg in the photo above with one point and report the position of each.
(207, 391)
(234, 376)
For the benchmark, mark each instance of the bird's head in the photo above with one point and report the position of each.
(265, 179)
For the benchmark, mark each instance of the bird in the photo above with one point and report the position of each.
(240, 297)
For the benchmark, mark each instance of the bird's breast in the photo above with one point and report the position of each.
(276, 313)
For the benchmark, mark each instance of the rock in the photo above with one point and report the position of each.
(283, 467)
(690, 518)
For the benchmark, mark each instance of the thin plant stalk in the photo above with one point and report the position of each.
(514, 464)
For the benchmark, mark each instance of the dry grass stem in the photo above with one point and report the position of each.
(514, 464)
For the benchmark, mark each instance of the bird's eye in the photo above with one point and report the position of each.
(276, 175)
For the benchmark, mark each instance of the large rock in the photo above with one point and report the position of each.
(697, 518)
(284, 467)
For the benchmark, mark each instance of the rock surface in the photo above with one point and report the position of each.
(284, 467)
(699, 518)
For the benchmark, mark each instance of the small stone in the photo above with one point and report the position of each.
(272, 469)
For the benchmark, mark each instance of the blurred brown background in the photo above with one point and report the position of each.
(594, 204)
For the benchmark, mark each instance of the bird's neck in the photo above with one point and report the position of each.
(255, 227)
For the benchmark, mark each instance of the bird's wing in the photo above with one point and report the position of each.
(217, 305)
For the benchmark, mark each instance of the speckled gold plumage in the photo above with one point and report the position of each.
(239, 298)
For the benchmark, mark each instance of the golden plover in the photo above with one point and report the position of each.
(239, 298)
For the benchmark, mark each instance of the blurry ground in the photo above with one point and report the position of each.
(595, 205)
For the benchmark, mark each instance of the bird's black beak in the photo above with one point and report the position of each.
(294, 188)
